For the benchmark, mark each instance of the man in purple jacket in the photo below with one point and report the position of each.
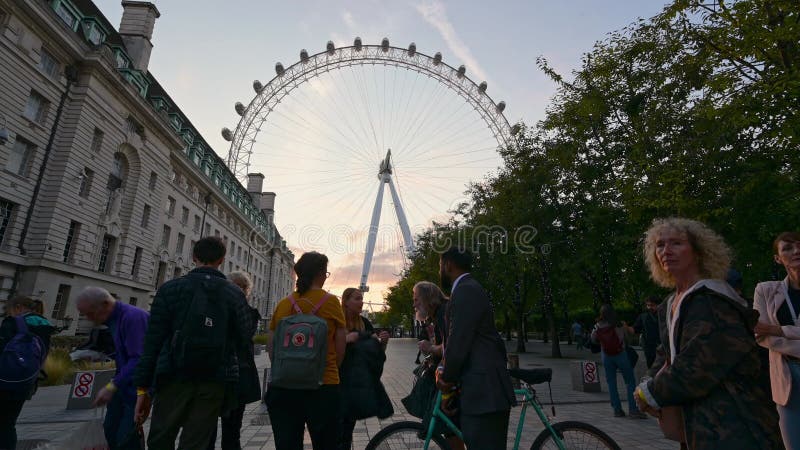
(128, 325)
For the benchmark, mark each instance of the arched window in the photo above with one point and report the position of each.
(119, 169)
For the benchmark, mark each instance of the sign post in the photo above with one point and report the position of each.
(85, 386)
(585, 376)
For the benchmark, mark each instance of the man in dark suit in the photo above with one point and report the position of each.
(474, 357)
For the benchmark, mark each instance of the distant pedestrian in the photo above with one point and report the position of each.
(609, 333)
(196, 327)
(127, 325)
(291, 410)
(646, 325)
(778, 329)
(707, 380)
(21, 387)
(577, 334)
(247, 390)
(363, 394)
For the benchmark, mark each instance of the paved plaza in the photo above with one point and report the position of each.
(45, 419)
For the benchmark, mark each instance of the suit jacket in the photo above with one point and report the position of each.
(769, 297)
(475, 355)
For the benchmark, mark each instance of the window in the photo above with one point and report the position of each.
(161, 273)
(122, 60)
(208, 230)
(72, 236)
(153, 181)
(179, 244)
(170, 206)
(233, 247)
(216, 233)
(196, 226)
(86, 182)
(97, 140)
(95, 35)
(19, 157)
(184, 215)
(6, 207)
(165, 236)
(133, 301)
(176, 273)
(62, 298)
(48, 63)
(36, 108)
(106, 248)
(146, 216)
(239, 253)
(67, 15)
(137, 261)
(191, 246)
(230, 267)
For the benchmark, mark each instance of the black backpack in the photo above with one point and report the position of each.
(200, 346)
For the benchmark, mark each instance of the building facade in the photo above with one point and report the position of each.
(103, 179)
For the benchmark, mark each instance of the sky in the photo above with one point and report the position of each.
(321, 147)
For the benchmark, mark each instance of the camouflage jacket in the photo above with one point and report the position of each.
(714, 374)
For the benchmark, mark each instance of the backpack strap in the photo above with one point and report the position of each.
(296, 308)
(22, 327)
(321, 302)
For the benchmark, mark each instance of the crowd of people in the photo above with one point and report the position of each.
(190, 360)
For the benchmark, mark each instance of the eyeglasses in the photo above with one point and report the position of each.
(327, 274)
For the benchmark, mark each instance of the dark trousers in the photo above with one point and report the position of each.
(291, 410)
(192, 406)
(485, 431)
(231, 430)
(10, 407)
(649, 355)
(346, 434)
(118, 424)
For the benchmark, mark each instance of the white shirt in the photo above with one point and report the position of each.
(455, 283)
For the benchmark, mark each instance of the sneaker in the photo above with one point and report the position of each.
(619, 413)
(637, 415)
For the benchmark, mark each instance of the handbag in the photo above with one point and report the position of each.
(418, 401)
(671, 420)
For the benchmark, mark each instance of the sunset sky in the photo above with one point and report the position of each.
(320, 151)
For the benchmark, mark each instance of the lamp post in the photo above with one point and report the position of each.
(520, 319)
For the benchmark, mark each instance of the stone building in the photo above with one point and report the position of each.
(103, 179)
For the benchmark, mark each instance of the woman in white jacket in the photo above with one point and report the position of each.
(778, 329)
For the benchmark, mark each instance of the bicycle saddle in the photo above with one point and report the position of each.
(532, 376)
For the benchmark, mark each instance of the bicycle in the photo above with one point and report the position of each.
(567, 435)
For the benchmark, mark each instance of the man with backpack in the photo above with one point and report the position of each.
(24, 342)
(127, 325)
(189, 358)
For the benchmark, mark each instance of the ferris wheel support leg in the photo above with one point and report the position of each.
(401, 217)
(373, 234)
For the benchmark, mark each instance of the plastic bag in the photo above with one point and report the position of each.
(89, 436)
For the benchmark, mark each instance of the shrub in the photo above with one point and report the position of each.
(260, 339)
(59, 367)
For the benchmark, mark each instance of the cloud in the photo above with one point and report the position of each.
(347, 18)
(434, 13)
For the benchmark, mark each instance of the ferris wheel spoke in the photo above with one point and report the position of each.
(419, 120)
(353, 100)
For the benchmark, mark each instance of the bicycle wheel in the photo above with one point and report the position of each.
(404, 435)
(576, 436)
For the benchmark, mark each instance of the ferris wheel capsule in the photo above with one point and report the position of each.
(385, 45)
(257, 86)
(437, 58)
(239, 108)
(412, 49)
(331, 48)
(303, 56)
(462, 70)
(482, 87)
(279, 69)
(357, 44)
(501, 106)
(227, 135)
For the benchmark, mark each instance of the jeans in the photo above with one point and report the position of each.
(191, 407)
(611, 364)
(290, 410)
(790, 414)
(118, 423)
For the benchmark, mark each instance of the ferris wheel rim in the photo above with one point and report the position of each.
(252, 119)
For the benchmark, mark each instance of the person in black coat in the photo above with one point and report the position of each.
(474, 357)
(363, 394)
(11, 401)
(248, 389)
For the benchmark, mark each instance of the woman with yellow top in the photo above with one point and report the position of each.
(291, 410)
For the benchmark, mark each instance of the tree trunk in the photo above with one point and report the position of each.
(556, 347)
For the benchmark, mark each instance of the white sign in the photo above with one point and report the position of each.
(84, 382)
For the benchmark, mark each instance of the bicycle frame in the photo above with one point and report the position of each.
(529, 399)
